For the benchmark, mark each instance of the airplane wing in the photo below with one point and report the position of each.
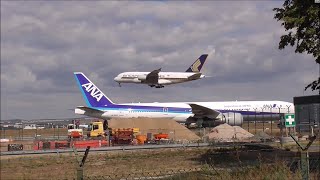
(201, 111)
(89, 110)
(194, 76)
(153, 76)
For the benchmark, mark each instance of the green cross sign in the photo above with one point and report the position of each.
(289, 119)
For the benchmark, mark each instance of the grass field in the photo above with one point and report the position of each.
(143, 163)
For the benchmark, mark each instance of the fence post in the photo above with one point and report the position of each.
(79, 173)
(22, 132)
(248, 124)
(271, 119)
(255, 120)
(262, 119)
(4, 132)
(81, 163)
(304, 157)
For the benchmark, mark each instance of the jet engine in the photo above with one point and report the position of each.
(136, 80)
(231, 118)
(142, 77)
(164, 81)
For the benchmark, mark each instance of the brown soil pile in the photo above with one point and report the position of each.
(225, 133)
(175, 130)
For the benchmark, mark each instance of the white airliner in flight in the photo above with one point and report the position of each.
(158, 79)
(232, 112)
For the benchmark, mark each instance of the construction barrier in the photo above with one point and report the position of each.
(15, 147)
(46, 145)
(61, 144)
(91, 143)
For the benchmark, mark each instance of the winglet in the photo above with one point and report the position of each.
(197, 65)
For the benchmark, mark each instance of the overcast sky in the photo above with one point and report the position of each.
(43, 43)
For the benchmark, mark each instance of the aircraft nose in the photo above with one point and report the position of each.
(117, 78)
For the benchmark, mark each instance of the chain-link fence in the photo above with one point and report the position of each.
(185, 163)
(278, 170)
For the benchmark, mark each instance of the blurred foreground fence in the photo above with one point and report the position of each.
(278, 170)
(184, 163)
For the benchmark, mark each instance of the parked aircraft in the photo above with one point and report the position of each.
(232, 112)
(158, 79)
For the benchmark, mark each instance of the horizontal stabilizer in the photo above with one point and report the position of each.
(195, 76)
(89, 110)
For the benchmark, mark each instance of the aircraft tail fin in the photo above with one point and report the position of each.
(93, 96)
(197, 65)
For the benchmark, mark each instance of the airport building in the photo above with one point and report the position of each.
(307, 114)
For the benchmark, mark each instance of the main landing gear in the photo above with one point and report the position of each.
(156, 86)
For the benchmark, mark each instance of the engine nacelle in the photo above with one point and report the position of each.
(136, 80)
(164, 81)
(182, 118)
(231, 118)
(142, 77)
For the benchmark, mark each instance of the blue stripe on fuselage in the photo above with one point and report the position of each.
(175, 110)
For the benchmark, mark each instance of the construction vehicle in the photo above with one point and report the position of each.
(97, 129)
(122, 135)
(74, 131)
(161, 138)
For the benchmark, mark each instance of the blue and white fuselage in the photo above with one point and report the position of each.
(100, 106)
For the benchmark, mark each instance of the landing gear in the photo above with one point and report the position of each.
(156, 86)
(105, 124)
(199, 123)
(159, 86)
(119, 84)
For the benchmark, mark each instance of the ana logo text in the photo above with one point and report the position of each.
(269, 106)
(95, 93)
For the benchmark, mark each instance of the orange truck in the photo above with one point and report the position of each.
(160, 136)
(74, 131)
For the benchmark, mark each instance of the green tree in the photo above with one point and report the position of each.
(300, 18)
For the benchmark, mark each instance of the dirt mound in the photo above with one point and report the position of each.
(261, 136)
(175, 130)
(225, 133)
